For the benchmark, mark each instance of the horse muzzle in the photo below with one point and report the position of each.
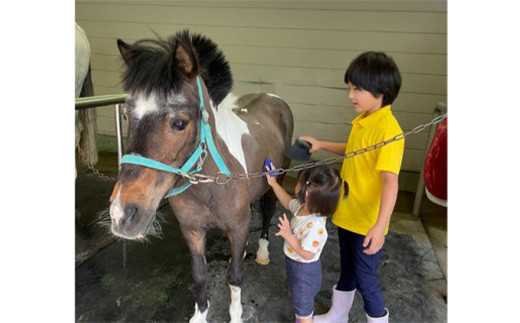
(130, 221)
(133, 205)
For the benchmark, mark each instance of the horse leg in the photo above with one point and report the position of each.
(238, 240)
(267, 207)
(196, 241)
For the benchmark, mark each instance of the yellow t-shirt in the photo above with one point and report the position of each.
(359, 211)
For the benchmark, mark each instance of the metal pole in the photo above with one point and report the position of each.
(437, 111)
(99, 101)
(119, 135)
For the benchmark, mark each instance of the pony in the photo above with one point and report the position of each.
(85, 134)
(181, 113)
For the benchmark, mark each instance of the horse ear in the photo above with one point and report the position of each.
(186, 59)
(123, 49)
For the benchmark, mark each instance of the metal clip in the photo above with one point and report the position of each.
(204, 178)
(203, 155)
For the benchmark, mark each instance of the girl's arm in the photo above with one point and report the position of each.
(388, 197)
(334, 147)
(281, 194)
(296, 245)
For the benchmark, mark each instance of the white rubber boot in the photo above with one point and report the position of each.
(382, 319)
(341, 304)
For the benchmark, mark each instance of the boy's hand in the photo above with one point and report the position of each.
(285, 227)
(315, 143)
(271, 179)
(376, 237)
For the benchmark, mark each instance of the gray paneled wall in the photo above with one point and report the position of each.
(298, 50)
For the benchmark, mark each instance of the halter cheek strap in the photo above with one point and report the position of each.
(205, 135)
(206, 139)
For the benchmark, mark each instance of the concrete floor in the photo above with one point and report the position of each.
(120, 281)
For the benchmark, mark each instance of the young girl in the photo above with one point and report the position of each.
(318, 192)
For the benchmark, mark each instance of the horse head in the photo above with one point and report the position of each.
(164, 119)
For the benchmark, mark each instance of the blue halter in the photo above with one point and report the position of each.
(206, 139)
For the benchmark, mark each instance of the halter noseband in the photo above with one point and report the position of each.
(205, 140)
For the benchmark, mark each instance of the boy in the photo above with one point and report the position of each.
(374, 81)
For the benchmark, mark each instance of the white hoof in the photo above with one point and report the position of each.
(235, 308)
(262, 254)
(199, 317)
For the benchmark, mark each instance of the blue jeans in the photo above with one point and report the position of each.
(359, 270)
(304, 280)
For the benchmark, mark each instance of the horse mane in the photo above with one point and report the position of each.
(153, 66)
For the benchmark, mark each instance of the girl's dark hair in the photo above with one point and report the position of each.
(377, 73)
(323, 184)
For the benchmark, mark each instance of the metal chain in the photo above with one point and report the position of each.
(223, 179)
(326, 161)
(92, 168)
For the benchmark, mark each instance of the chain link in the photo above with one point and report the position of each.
(94, 170)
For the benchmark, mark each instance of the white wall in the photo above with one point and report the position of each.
(298, 50)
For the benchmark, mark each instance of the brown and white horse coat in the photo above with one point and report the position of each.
(164, 125)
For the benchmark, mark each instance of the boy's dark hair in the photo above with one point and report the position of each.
(377, 73)
(323, 184)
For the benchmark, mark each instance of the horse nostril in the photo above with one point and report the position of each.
(130, 211)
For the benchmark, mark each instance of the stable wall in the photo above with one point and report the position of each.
(298, 50)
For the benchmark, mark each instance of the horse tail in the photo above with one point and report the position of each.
(87, 117)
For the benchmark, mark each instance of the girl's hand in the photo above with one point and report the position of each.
(285, 227)
(270, 180)
(315, 143)
(376, 237)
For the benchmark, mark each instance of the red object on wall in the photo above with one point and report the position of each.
(436, 166)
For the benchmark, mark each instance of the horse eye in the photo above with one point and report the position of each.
(179, 124)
